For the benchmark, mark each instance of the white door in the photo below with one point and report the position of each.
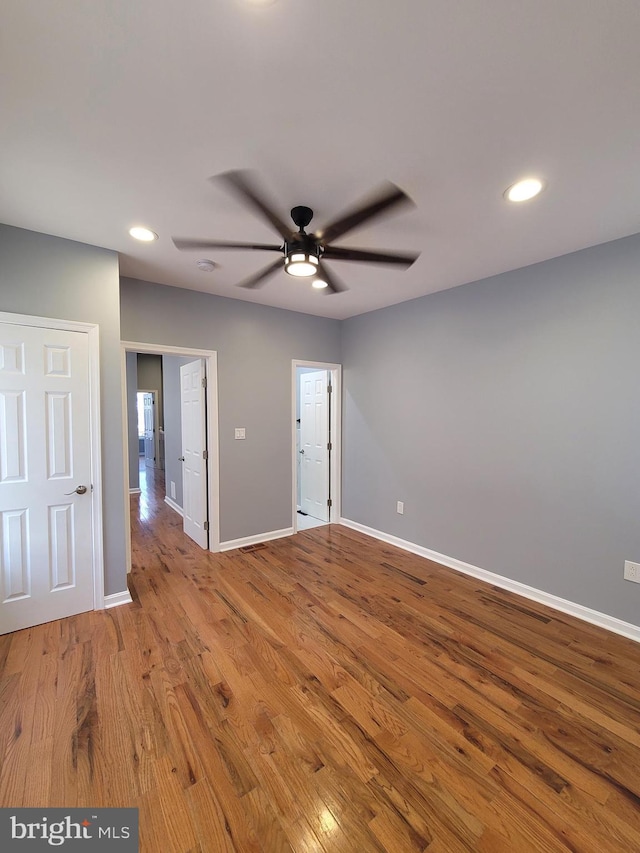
(46, 542)
(194, 466)
(148, 407)
(314, 444)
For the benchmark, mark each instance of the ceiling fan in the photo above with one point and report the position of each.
(303, 254)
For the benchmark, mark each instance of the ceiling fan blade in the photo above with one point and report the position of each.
(388, 196)
(186, 243)
(241, 184)
(260, 277)
(333, 284)
(337, 253)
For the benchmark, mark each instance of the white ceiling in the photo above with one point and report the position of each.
(116, 112)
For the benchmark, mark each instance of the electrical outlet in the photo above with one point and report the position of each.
(632, 571)
(400, 507)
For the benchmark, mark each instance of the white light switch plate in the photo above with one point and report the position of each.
(240, 433)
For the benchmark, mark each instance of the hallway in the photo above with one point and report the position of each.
(152, 491)
(152, 518)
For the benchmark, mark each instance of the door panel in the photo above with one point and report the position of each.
(61, 546)
(149, 405)
(194, 467)
(46, 529)
(15, 554)
(13, 462)
(314, 439)
(59, 434)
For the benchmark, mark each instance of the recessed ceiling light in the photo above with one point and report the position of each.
(524, 190)
(319, 284)
(139, 232)
(260, 2)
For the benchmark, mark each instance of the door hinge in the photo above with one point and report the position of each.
(329, 389)
(205, 454)
(204, 381)
(206, 525)
(329, 502)
(329, 446)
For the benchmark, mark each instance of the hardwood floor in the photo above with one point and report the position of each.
(324, 692)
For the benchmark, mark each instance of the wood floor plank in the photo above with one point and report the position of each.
(324, 692)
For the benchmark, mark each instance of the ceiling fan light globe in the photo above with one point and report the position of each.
(301, 264)
(319, 284)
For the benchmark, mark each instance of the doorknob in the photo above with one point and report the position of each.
(79, 490)
(302, 451)
(180, 458)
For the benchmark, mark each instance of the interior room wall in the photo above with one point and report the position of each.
(171, 365)
(506, 415)
(255, 345)
(132, 418)
(51, 277)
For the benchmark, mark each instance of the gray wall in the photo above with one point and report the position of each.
(171, 365)
(255, 346)
(132, 419)
(506, 415)
(50, 277)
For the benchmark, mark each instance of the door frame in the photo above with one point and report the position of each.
(95, 437)
(210, 358)
(335, 425)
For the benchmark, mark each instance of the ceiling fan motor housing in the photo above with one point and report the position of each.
(302, 216)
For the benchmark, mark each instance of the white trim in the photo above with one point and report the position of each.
(586, 614)
(46, 322)
(95, 429)
(125, 458)
(255, 540)
(135, 491)
(211, 366)
(336, 437)
(96, 467)
(161, 349)
(174, 506)
(117, 598)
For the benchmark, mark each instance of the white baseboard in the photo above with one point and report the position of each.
(134, 491)
(602, 620)
(173, 505)
(117, 598)
(254, 540)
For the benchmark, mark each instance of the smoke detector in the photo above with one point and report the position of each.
(206, 265)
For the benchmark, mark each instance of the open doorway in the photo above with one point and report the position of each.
(316, 443)
(189, 438)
